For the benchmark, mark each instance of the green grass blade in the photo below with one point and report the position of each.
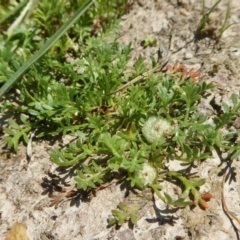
(14, 12)
(45, 48)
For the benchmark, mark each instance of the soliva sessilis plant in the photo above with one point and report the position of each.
(130, 135)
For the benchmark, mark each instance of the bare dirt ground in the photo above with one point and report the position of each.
(23, 190)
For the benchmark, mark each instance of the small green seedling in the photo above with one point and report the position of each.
(125, 213)
(203, 29)
(206, 30)
(225, 25)
(149, 41)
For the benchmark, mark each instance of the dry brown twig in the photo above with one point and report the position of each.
(232, 216)
(158, 68)
(68, 192)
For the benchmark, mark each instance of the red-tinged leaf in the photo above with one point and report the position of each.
(194, 75)
(206, 196)
(181, 68)
(185, 74)
(175, 67)
(169, 68)
(202, 204)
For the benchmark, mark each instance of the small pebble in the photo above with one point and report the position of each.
(236, 123)
(2, 165)
(188, 55)
(184, 12)
(234, 53)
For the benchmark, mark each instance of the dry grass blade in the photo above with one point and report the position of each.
(232, 216)
(158, 68)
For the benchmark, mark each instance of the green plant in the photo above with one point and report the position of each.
(44, 49)
(115, 140)
(124, 213)
(69, 91)
(10, 13)
(149, 41)
(225, 25)
(206, 30)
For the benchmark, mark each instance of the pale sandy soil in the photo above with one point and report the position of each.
(24, 200)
